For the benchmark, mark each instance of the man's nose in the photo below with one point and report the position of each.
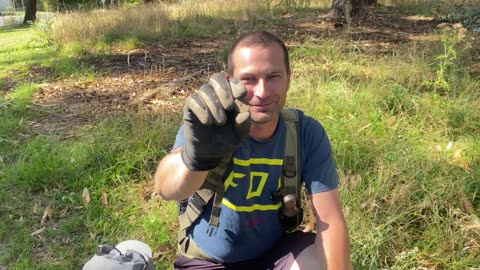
(261, 89)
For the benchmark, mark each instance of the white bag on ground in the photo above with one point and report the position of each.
(127, 255)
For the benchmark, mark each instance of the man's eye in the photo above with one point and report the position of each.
(248, 79)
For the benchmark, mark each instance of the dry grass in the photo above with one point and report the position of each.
(218, 8)
(89, 27)
(165, 22)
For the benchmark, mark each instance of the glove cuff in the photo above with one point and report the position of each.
(198, 164)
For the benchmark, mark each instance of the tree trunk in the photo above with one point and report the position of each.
(340, 8)
(30, 12)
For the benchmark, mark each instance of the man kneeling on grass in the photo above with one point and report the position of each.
(231, 170)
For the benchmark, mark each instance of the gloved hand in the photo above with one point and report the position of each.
(216, 121)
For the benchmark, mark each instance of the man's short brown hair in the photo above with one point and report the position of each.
(257, 38)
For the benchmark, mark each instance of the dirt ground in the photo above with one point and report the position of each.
(158, 78)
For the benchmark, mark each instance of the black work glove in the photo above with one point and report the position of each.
(216, 121)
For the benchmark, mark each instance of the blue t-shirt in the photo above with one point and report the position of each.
(250, 220)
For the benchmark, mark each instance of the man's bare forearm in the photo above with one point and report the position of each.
(332, 241)
(333, 244)
(174, 181)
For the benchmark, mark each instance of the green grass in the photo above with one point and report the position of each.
(407, 150)
(20, 50)
(50, 172)
(408, 208)
(26, 53)
(39, 171)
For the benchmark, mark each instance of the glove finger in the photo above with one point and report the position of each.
(243, 123)
(222, 88)
(241, 105)
(207, 93)
(242, 118)
(198, 108)
(238, 89)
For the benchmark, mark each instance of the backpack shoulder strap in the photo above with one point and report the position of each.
(292, 162)
(212, 189)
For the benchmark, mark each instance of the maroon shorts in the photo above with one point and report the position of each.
(281, 257)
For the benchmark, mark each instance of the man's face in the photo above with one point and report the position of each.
(263, 72)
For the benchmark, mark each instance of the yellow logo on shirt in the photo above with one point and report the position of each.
(255, 177)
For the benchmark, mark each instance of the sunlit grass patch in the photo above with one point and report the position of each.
(15, 112)
(399, 148)
(22, 95)
(20, 49)
(101, 162)
(26, 53)
(46, 172)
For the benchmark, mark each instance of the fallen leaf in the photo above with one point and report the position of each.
(86, 196)
(39, 231)
(467, 204)
(461, 161)
(355, 180)
(391, 120)
(66, 240)
(449, 145)
(364, 204)
(47, 215)
(104, 196)
(370, 203)
(352, 180)
(426, 204)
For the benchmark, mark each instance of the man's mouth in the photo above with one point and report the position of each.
(263, 105)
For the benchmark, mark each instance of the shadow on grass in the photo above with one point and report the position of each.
(13, 28)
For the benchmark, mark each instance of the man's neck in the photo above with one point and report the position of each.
(263, 131)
